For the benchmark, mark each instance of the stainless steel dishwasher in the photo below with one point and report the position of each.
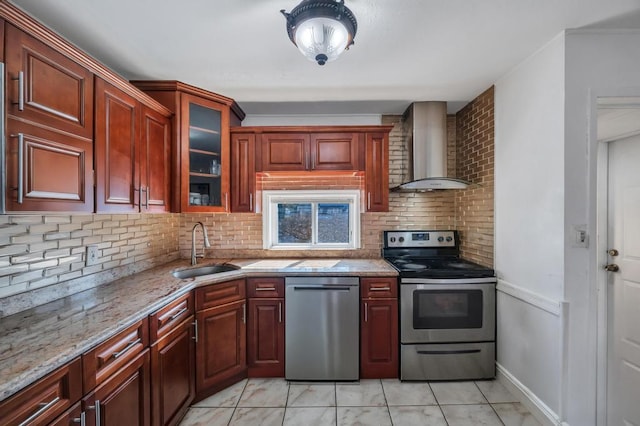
(322, 328)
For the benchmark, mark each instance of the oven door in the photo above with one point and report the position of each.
(447, 310)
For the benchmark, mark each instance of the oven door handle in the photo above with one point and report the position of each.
(462, 351)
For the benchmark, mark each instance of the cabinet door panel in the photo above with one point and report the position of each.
(377, 172)
(221, 347)
(334, 151)
(243, 169)
(266, 338)
(173, 374)
(154, 162)
(57, 92)
(379, 339)
(116, 137)
(124, 399)
(285, 152)
(34, 183)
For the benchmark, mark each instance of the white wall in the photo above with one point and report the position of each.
(529, 206)
(598, 63)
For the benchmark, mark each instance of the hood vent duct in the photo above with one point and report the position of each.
(427, 122)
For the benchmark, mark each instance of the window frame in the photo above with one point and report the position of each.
(270, 226)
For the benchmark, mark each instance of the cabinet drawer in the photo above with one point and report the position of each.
(219, 294)
(105, 359)
(42, 402)
(163, 320)
(265, 287)
(379, 288)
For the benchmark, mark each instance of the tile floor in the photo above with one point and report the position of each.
(368, 402)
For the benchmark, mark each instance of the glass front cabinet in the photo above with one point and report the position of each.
(201, 170)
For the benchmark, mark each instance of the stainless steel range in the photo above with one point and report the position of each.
(447, 308)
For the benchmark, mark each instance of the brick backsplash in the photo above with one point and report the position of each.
(42, 256)
(474, 153)
(38, 251)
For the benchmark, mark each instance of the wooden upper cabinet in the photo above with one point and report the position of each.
(377, 172)
(335, 151)
(284, 152)
(46, 170)
(117, 181)
(155, 161)
(46, 87)
(132, 157)
(201, 146)
(243, 172)
(306, 149)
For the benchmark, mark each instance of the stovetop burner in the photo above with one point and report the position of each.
(429, 254)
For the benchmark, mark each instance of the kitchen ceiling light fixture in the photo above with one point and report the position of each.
(321, 29)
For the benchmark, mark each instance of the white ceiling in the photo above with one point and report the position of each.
(404, 51)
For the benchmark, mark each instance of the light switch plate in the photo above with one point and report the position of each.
(92, 255)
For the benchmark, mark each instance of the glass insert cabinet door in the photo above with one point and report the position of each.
(205, 186)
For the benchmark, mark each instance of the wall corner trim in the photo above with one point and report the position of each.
(534, 299)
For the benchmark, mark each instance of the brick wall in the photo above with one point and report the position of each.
(475, 163)
(37, 252)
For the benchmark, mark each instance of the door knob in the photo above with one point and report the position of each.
(612, 252)
(612, 267)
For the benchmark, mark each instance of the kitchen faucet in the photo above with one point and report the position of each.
(195, 256)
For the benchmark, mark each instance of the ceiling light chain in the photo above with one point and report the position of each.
(321, 29)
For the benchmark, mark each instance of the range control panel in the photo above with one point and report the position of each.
(408, 239)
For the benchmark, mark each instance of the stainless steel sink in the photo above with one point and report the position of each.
(204, 270)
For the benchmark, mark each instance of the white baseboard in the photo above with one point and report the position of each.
(535, 405)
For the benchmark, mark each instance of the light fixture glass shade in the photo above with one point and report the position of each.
(321, 36)
(321, 29)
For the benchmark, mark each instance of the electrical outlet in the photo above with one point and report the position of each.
(92, 255)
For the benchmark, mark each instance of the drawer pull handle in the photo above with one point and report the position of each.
(366, 312)
(195, 330)
(265, 289)
(279, 311)
(380, 289)
(244, 313)
(118, 354)
(44, 406)
(177, 314)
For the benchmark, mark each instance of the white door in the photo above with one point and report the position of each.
(623, 346)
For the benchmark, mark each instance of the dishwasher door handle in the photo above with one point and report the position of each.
(323, 287)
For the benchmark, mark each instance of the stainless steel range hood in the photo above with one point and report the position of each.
(427, 122)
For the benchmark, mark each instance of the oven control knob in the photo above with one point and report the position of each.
(401, 239)
(440, 239)
(393, 239)
(449, 239)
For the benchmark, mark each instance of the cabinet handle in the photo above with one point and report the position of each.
(265, 289)
(118, 354)
(226, 202)
(195, 330)
(146, 196)
(180, 312)
(280, 312)
(20, 90)
(44, 406)
(251, 202)
(82, 419)
(20, 167)
(97, 408)
(380, 289)
(368, 200)
(366, 309)
(244, 313)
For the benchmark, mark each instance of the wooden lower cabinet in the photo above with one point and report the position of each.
(266, 338)
(124, 398)
(221, 346)
(379, 345)
(173, 374)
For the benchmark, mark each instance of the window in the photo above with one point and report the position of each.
(313, 220)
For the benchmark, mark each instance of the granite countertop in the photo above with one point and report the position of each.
(37, 341)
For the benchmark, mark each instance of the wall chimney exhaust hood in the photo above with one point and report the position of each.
(427, 128)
